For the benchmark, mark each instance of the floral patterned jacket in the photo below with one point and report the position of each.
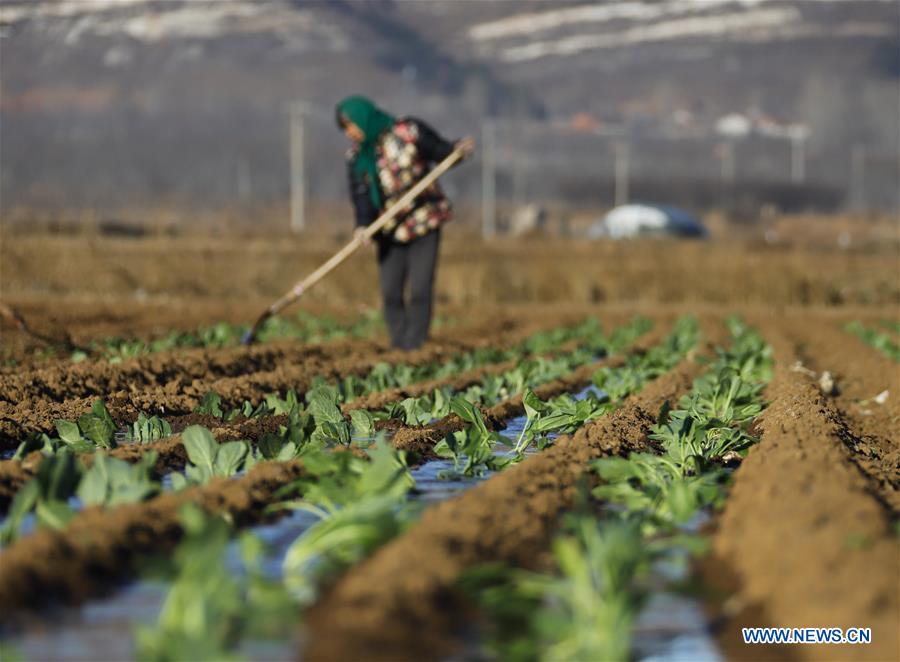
(405, 153)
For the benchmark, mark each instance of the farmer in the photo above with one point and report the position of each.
(388, 157)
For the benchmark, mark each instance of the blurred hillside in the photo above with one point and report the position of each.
(108, 104)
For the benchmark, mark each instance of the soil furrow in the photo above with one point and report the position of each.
(50, 565)
(100, 548)
(94, 379)
(400, 604)
(457, 382)
(802, 541)
(418, 442)
(172, 456)
(860, 374)
(181, 396)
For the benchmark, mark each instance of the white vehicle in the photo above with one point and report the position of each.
(637, 220)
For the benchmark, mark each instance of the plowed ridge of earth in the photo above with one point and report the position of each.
(173, 457)
(860, 374)
(802, 541)
(50, 565)
(419, 441)
(173, 384)
(101, 547)
(381, 610)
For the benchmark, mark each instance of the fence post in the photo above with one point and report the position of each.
(298, 167)
(488, 179)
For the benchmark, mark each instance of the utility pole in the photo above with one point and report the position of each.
(622, 152)
(488, 179)
(244, 186)
(798, 159)
(298, 166)
(727, 163)
(519, 154)
(858, 177)
(727, 172)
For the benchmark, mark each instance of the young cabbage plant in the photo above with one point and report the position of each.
(362, 424)
(655, 489)
(360, 505)
(324, 407)
(46, 495)
(708, 426)
(146, 429)
(111, 482)
(247, 410)
(582, 611)
(208, 458)
(279, 406)
(624, 336)
(639, 369)
(209, 608)
(440, 402)
(561, 415)
(210, 405)
(723, 396)
(472, 448)
(47, 445)
(94, 429)
(291, 440)
(274, 447)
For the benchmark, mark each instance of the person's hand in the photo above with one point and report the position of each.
(359, 233)
(466, 146)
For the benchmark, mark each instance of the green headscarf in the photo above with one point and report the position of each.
(373, 122)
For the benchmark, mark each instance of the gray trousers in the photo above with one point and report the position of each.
(413, 264)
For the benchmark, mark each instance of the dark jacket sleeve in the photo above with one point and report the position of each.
(364, 210)
(430, 144)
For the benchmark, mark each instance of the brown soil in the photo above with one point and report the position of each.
(161, 510)
(13, 475)
(418, 442)
(102, 547)
(860, 373)
(99, 548)
(172, 384)
(456, 382)
(381, 610)
(801, 541)
(36, 269)
(172, 456)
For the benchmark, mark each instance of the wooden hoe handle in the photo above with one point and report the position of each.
(386, 217)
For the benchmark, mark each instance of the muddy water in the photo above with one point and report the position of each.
(103, 630)
(670, 628)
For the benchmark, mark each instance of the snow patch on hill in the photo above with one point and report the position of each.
(531, 23)
(151, 22)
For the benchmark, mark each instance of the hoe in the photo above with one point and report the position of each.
(18, 321)
(301, 287)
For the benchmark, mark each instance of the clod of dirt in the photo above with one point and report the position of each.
(799, 367)
(827, 384)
